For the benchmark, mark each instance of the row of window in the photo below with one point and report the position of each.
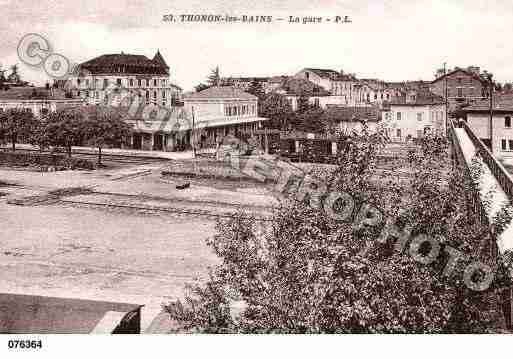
(420, 116)
(130, 82)
(96, 94)
(506, 144)
(240, 110)
(460, 80)
(43, 111)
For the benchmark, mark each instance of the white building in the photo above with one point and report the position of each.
(148, 79)
(344, 88)
(38, 100)
(414, 114)
(210, 115)
(350, 118)
(477, 116)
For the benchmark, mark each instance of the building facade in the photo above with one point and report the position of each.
(206, 118)
(464, 86)
(96, 79)
(345, 88)
(39, 100)
(351, 119)
(477, 116)
(413, 115)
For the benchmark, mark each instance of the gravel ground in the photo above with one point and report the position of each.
(98, 252)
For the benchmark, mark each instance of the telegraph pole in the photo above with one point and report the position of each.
(491, 113)
(490, 86)
(446, 99)
(192, 136)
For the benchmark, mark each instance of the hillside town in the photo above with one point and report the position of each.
(118, 189)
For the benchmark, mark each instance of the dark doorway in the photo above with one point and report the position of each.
(137, 141)
(158, 143)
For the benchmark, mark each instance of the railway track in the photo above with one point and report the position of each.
(159, 209)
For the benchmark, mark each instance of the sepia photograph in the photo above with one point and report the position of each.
(191, 168)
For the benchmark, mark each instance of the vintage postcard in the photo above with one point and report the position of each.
(238, 167)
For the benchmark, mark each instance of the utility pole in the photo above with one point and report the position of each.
(446, 99)
(490, 84)
(193, 144)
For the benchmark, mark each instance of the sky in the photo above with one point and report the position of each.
(388, 39)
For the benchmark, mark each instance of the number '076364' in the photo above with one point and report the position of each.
(24, 344)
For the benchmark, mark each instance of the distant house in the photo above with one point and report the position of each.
(464, 86)
(477, 116)
(345, 89)
(273, 83)
(350, 119)
(414, 114)
(295, 89)
(39, 100)
(244, 83)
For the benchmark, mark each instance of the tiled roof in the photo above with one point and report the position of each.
(222, 92)
(477, 77)
(408, 85)
(325, 73)
(247, 79)
(134, 63)
(351, 114)
(159, 59)
(331, 74)
(31, 93)
(422, 97)
(374, 83)
(500, 103)
(278, 79)
(299, 87)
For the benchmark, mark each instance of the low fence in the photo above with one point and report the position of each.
(26, 159)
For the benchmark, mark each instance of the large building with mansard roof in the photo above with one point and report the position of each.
(146, 78)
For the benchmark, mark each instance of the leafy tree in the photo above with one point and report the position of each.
(201, 87)
(214, 79)
(303, 104)
(16, 123)
(104, 127)
(255, 88)
(312, 120)
(39, 136)
(306, 273)
(66, 128)
(278, 110)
